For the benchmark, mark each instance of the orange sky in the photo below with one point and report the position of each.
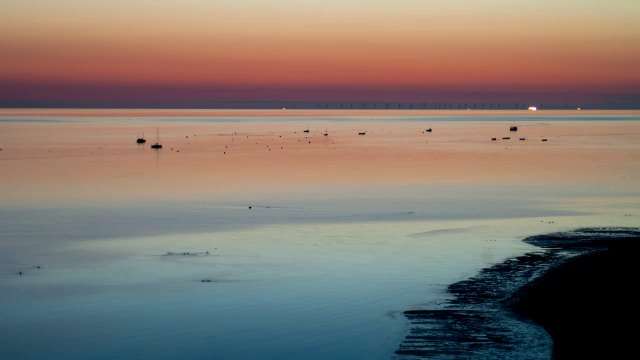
(255, 46)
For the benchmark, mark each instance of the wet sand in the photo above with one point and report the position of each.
(580, 289)
(588, 304)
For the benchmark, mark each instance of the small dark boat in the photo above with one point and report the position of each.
(544, 139)
(513, 128)
(141, 139)
(326, 133)
(307, 130)
(362, 133)
(506, 138)
(157, 145)
(494, 139)
(428, 130)
(523, 139)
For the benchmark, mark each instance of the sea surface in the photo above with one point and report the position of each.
(246, 237)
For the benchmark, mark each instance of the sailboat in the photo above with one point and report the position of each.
(307, 130)
(326, 133)
(141, 139)
(157, 145)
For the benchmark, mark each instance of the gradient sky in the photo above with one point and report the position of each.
(149, 51)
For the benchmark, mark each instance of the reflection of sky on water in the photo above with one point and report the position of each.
(156, 218)
(276, 292)
(321, 277)
(315, 269)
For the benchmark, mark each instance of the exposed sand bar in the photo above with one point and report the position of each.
(587, 302)
(580, 289)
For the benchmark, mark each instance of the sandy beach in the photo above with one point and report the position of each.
(248, 237)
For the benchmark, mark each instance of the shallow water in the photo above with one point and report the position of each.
(343, 234)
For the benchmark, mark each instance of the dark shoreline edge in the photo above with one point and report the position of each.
(571, 299)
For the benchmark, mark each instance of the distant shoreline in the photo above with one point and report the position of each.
(506, 114)
(579, 289)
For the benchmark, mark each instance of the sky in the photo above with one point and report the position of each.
(161, 53)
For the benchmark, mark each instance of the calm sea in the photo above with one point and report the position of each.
(245, 237)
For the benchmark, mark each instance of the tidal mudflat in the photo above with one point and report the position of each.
(579, 289)
(246, 237)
